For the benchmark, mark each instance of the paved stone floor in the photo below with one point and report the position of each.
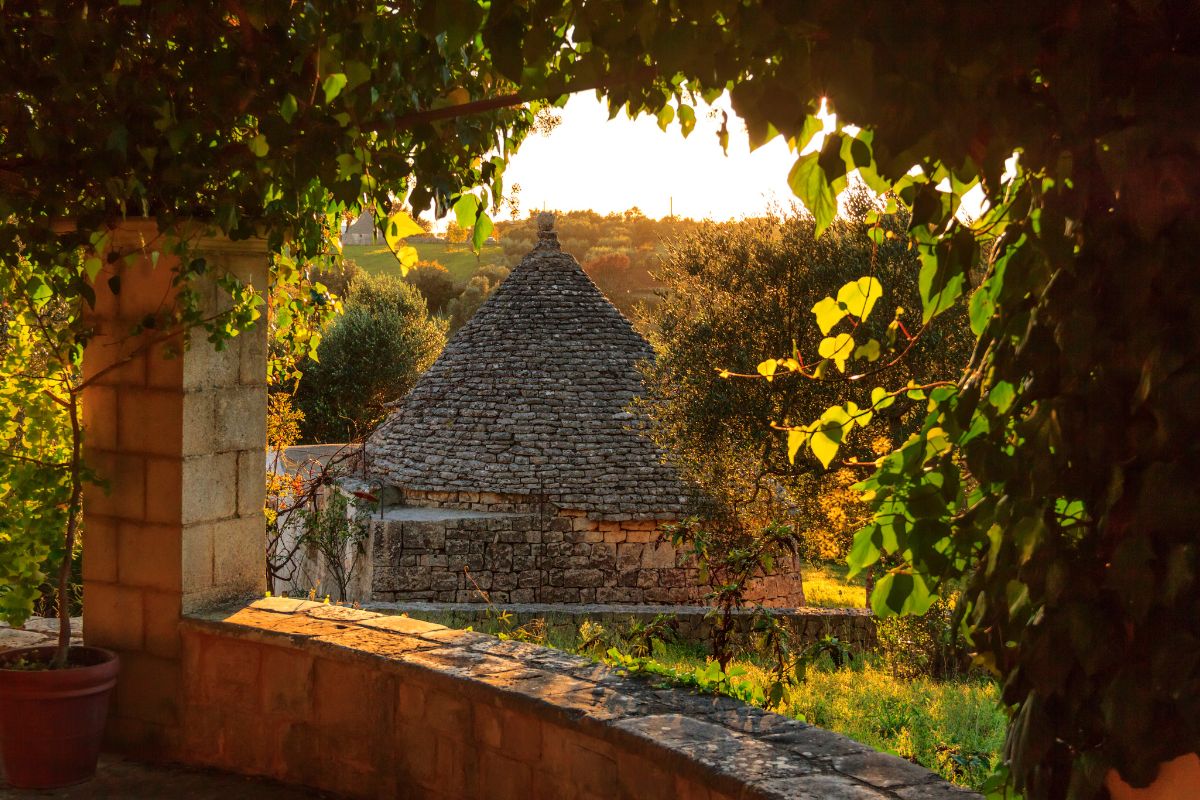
(118, 779)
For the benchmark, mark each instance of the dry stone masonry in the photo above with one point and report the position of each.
(524, 422)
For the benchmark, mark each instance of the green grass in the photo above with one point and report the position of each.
(458, 259)
(826, 585)
(954, 727)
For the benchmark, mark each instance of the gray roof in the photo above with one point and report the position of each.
(531, 397)
(361, 231)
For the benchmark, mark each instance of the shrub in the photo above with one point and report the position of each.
(434, 283)
(475, 294)
(924, 645)
(339, 281)
(369, 356)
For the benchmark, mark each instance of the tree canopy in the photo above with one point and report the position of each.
(739, 293)
(370, 355)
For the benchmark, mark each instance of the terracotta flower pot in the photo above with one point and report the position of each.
(52, 721)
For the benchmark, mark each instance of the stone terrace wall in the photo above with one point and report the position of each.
(853, 626)
(530, 552)
(526, 558)
(369, 706)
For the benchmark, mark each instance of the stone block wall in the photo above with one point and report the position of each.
(178, 438)
(370, 706)
(527, 551)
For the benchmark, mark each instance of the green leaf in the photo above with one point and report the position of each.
(466, 209)
(981, 310)
(828, 313)
(881, 398)
(687, 119)
(258, 145)
(861, 416)
(901, 593)
(483, 229)
(807, 181)
(357, 73)
(869, 350)
(837, 348)
(664, 116)
(1001, 396)
(288, 107)
(348, 166)
(767, 368)
(92, 267)
(333, 85)
(823, 447)
(813, 125)
(859, 296)
(865, 551)
(830, 158)
(938, 282)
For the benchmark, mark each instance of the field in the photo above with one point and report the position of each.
(458, 259)
(826, 585)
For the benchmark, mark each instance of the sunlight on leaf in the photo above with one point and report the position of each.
(796, 439)
(333, 86)
(859, 296)
(880, 398)
(828, 313)
(868, 350)
(808, 182)
(828, 434)
(465, 211)
(837, 349)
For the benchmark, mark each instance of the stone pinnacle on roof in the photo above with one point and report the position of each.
(531, 397)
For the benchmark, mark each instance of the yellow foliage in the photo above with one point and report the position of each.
(832, 515)
(283, 421)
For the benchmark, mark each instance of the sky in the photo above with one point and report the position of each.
(589, 161)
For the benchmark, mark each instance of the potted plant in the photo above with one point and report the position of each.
(53, 699)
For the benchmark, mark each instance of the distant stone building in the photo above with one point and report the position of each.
(515, 466)
(361, 231)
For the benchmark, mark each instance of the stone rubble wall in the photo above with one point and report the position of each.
(535, 553)
(370, 706)
(852, 626)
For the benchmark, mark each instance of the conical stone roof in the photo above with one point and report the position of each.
(531, 397)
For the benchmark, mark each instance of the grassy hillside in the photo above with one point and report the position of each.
(457, 259)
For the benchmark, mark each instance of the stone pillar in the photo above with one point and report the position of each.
(179, 439)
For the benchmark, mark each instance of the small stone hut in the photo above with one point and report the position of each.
(518, 467)
(361, 231)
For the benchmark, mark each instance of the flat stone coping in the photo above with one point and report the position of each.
(596, 609)
(420, 514)
(38, 632)
(731, 747)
